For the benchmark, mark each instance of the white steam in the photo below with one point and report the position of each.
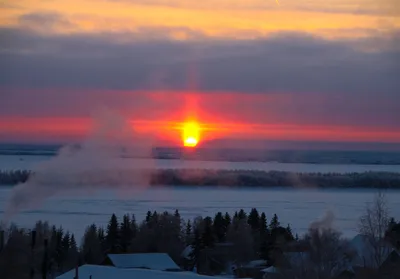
(325, 223)
(95, 164)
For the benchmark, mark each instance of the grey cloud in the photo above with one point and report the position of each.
(44, 20)
(287, 62)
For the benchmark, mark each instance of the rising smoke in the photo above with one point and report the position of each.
(325, 223)
(97, 163)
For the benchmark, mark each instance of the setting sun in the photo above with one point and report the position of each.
(191, 134)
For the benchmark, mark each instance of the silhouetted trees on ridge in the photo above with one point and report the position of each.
(233, 178)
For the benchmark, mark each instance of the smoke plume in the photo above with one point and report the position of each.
(97, 163)
(325, 223)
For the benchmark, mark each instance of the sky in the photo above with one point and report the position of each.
(292, 70)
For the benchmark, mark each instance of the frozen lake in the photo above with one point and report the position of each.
(12, 162)
(299, 207)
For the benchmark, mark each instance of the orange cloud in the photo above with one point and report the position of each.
(233, 19)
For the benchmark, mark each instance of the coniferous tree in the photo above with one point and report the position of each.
(91, 246)
(254, 219)
(208, 235)
(59, 248)
(112, 237)
(65, 244)
(242, 215)
(219, 226)
(72, 243)
(289, 231)
(263, 224)
(188, 233)
(101, 235)
(274, 222)
(197, 247)
(228, 220)
(176, 214)
(134, 226)
(126, 234)
(148, 217)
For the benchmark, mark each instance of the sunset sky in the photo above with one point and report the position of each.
(304, 70)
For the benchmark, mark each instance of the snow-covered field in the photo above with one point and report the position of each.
(297, 207)
(12, 162)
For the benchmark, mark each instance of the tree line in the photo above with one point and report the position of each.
(55, 250)
(230, 178)
(50, 250)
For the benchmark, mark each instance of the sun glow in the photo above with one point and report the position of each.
(191, 134)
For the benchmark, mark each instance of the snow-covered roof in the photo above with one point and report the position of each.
(110, 272)
(256, 263)
(271, 269)
(154, 261)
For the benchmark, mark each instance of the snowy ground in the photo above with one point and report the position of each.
(297, 207)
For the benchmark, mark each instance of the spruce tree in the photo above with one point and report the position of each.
(208, 235)
(91, 247)
(125, 233)
(219, 227)
(176, 214)
(134, 226)
(242, 215)
(289, 231)
(101, 236)
(254, 219)
(263, 224)
(112, 237)
(274, 222)
(148, 217)
(72, 243)
(197, 247)
(188, 233)
(228, 219)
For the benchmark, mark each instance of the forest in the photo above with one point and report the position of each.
(228, 178)
(52, 250)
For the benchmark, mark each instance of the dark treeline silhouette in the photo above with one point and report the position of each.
(14, 177)
(250, 235)
(190, 243)
(233, 178)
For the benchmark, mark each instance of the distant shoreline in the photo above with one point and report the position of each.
(209, 178)
(303, 156)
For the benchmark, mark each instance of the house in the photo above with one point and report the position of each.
(110, 272)
(153, 261)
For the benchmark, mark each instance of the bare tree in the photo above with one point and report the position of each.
(326, 256)
(373, 226)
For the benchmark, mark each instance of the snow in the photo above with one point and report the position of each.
(256, 263)
(299, 207)
(153, 261)
(109, 272)
(186, 252)
(271, 269)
